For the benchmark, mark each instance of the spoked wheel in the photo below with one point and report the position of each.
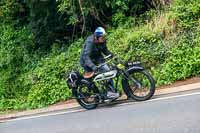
(141, 85)
(87, 99)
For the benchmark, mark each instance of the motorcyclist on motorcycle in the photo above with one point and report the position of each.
(92, 54)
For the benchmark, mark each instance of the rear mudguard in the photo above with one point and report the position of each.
(81, 82)
(90, 85)
(125, 80)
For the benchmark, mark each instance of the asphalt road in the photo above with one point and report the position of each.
(177, 113)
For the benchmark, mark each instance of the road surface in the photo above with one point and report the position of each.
(175, 113)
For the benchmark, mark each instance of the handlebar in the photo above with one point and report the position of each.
(106, 57)
(109, 59)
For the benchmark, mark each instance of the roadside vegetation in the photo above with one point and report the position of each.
(40, 41)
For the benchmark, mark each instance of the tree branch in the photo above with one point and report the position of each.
(81, 7)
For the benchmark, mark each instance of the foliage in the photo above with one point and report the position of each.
(15, 49)
(139, 44)
(13, 12)
(187, 12)
(43, 22)
(38, 43)
(88, 14)
(47, 81)
(184, 59)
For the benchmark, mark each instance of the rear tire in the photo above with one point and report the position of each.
(84, 97)
(139, 82)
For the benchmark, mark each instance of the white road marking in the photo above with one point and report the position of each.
(43, 115)
(166, 98)
(80, 110)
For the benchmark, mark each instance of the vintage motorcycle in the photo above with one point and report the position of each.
(136, 82)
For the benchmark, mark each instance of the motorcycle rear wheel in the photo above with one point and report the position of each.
(85, 98)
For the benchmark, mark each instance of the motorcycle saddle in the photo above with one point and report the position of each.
(88, 75)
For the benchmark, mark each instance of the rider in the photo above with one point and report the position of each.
(92, 54)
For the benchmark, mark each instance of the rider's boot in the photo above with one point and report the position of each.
(112, 95)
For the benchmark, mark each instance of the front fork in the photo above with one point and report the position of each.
(125, 84)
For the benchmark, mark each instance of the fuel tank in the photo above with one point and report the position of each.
(106, 75)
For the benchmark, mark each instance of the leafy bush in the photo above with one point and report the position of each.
(15, 45)
(183, 62)
(138, 44)
(187, 12)
(47, 81)
(15, 50)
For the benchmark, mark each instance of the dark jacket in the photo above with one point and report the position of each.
(92, 54)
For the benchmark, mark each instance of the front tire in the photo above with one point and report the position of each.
(139, 85)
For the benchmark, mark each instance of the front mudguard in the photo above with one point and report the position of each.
(125, 78)
(135, 68)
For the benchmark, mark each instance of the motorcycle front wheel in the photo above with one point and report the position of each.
(139, 85)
